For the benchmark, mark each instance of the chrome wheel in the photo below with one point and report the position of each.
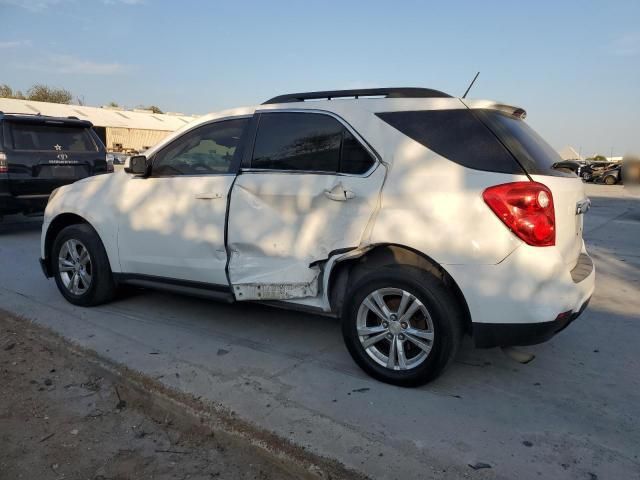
(74, 265)
(395, 328)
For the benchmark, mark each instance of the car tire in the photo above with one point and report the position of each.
(428, 338)
(610, 180)
(81, 267)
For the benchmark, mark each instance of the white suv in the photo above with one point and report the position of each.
(414, 216)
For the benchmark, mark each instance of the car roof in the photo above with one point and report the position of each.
(355, 106)
(44, 120)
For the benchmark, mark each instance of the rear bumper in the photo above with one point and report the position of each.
(527, 298)
(489, 335)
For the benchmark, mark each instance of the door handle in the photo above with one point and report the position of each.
(339, 193)
(208, 196)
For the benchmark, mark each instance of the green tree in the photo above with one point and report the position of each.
(154, 109)
(113, 104)
(44, 93)
(7, 92)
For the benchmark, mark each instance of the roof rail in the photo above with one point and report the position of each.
(19, 113)
(363, 92)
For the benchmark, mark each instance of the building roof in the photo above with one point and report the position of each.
(100, 117)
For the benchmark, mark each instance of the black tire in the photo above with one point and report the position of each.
(610, 180)
(101, 288)
(443, 308)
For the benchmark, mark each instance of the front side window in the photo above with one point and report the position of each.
(307, 142)
(207, 150)
(51, 138)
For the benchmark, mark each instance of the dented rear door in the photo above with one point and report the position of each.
(312, 188)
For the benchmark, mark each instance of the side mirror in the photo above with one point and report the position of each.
(137, 165)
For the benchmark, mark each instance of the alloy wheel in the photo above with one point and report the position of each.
(395, 328)
(74, 265)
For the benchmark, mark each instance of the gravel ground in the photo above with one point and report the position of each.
(61, 417)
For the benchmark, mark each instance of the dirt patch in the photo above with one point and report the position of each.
(63, 414)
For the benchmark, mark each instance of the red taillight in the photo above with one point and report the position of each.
(4, 166)
(526, 208)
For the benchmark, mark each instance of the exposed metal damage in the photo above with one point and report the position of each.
(275, 291)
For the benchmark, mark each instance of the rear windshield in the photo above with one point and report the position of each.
(50, 137)
(457, 135)
(535, 155)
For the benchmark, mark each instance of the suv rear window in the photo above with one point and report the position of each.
(457, 135)
(49, 137)
(535, 155)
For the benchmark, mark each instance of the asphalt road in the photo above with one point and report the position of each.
(574, 412)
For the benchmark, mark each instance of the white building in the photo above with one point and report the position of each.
(120, 130)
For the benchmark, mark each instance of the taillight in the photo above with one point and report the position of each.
(4, 166)
(526, 208)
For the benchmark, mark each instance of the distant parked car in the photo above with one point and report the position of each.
(39, 154)
(591, 171)
(117, 158)
(611, 176)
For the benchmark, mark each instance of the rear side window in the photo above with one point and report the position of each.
(534, 154)
(457, 135)
(53, 138)
(307, 142)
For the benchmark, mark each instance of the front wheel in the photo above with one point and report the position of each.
(610, 180)
(81, 267)
(402, 326)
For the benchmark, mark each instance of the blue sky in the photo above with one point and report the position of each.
(574, 66)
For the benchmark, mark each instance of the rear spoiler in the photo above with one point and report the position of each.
(45, 120)
(488, 104)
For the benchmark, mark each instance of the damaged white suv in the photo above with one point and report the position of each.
(415, 216)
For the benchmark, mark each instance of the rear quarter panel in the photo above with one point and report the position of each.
(435, 206)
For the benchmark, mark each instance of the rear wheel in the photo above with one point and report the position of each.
(610, 180)
(81, 267)
(402, 326)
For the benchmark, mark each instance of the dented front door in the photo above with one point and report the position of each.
(281, 223)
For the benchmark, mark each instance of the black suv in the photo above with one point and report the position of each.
(39, 154)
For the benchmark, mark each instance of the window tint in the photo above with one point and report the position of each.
(307, 142)
(457, 135)
(297, 141)
(55, 138)
(207, 150)
(529, 148)
(355, 159)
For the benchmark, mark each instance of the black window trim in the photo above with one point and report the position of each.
(235, 167)
(246, 164)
